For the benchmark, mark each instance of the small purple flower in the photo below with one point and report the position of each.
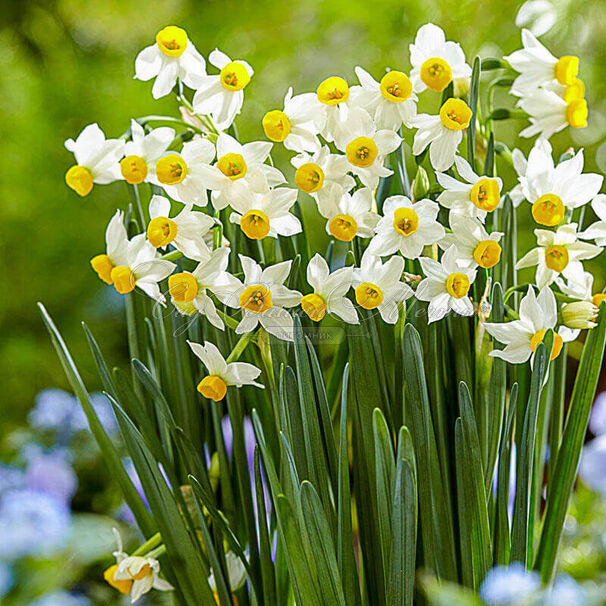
(593, 464)
(52, 474)
(509, 585)
(61, 598)
(597, 420)
(565, 592)
(53, 411)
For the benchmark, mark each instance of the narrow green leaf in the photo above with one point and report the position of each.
(474, 88)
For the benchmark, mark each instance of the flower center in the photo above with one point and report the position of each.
(405, 221)
(309, 177)
(457, 285)
(455, 114)
(276, 125)
(103, 267)
(487, 253)
(172, 41)
(566, 69)
(575, 90)
(122, 586)
(343, 227)
(183, 287)
(436, 74)
(314, 306)
(556, 348)
(171, 169)
(133, 169)
(548, 210)
(332, 91)
(598, 298)
(256, 298)
(255, 224)
(123, 279)
(368, 295)
(80, 179)
(362, 152)
(213, 387)
(485, 194)
(145, 570)
(234, 76)
(232, 166)
(576, 113)
(161, 231)
(556, 257)
(396, 86)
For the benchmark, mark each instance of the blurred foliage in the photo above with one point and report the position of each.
(67, 63)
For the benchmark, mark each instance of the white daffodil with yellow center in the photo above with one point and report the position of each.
(236, 575)
(581, 314)
(329, 292)
(538, 67)
(474, 245)
(182, 174)
(172, 57)
(348, 215)
(297, 125)
(435, 62)
(222, 374)
(189, 290)
(406, 227)
(262, 297)
(116, 245)
(365, 147)
(266, 214)
(474, 196)
(446, 285)
(538, 314)
(558, 253)
(552, 190)
(221, 96)
(185, 232)
(391, 102)
(378, 285)
(142, 152)
(331, 105)
(96, 160)
(239, 170)
(443, 133)
(597, 231)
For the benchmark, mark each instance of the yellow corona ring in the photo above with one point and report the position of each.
(368, 295)
(103, 267)
(232, 166)
(123, 279)
(556, 258)
(213, 387)
(556, 348)
(396, 86)
(457, 285)
(548, 210)
(80, 179)
(309, 177)
(362, 152)
(576, 113)
(314, 306)
(255, 224)
(183, 287)
(172, 41)
(161, 231)
(122, 586)
(234, 76)
(133, 169)
(598, 298)
(276, 125)
(436, 74)
(487, 254)
(455, 114)
(332, 91)
(405, 221)
(343, 227)
(256, 298)
(485, 194)
(566, 69)
(171, 169)
(575, 90)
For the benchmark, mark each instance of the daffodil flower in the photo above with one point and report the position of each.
(558, 252)
(222, 374)
(538, 15)
(443, 133)
(552, 190)
(297, 125)
(406, 227)
(96, 159)
(597, 230)
(185, 232)
(475, 196)
(331, 106)
(378, 285)
(142, 152)
(436, 62)
(329, 292)
(538, 314)
(474, 245)
(236, 573)
(221, 96)
(172, 57)
(391, 102)
(365, 147)
(446, 285)
(266, 214)
(116, 245)
(262, 297)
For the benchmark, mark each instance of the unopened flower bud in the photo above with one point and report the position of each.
(579, 315)
(214, 471)
(461, 86)
(420, 185)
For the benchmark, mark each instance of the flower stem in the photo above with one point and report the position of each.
(151, 543)
(240, 346)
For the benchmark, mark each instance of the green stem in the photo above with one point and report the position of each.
(156, 553)
(151, 543)
(240, 346)
(173, 255)
(514, 289)
(170, 121)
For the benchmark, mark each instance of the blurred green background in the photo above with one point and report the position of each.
(67, 63)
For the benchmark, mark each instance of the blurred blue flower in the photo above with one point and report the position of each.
(10, 478)
(597, 420)
(509, 585)
(52, 474)
(61, 598)
(565, 592)
(593, 464)
(7, 578)
(104, 411)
